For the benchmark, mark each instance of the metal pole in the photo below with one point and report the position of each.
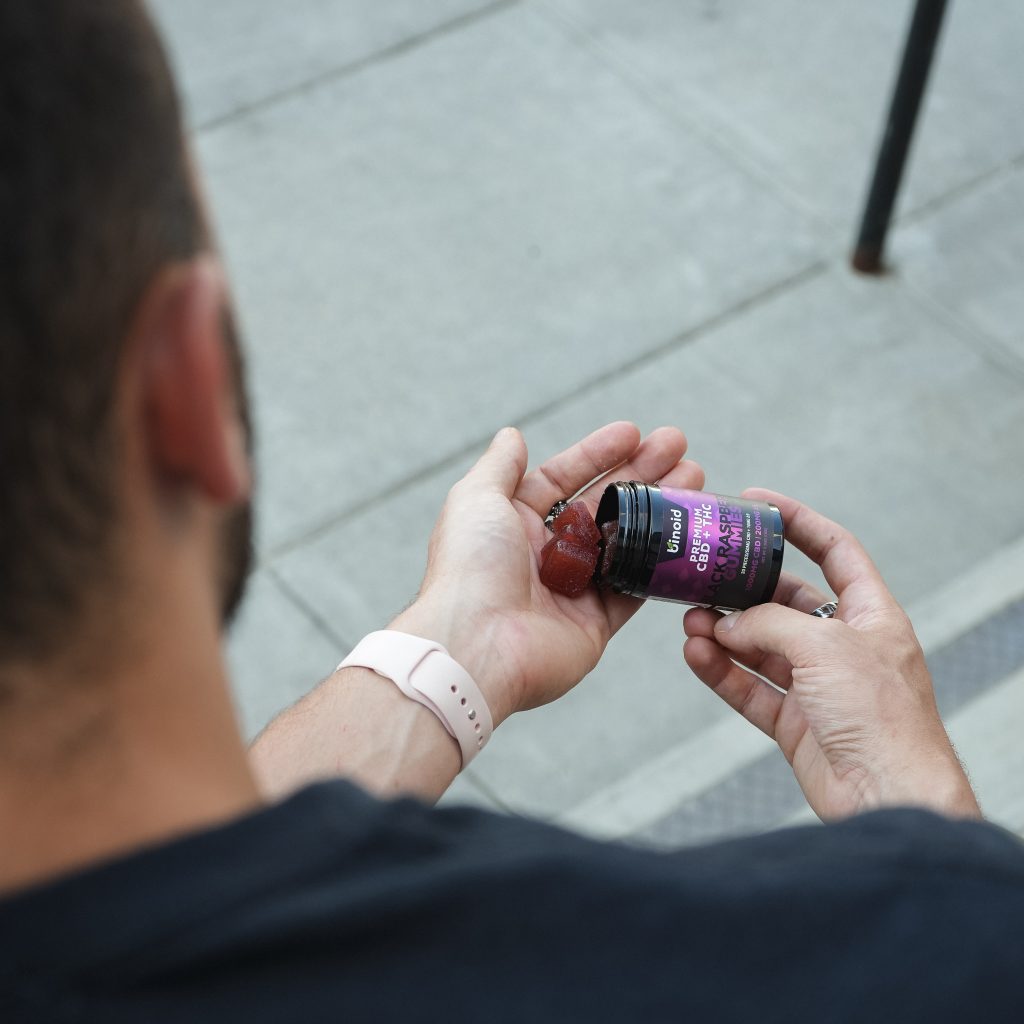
(899, 128)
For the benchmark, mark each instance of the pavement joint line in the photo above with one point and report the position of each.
(716, 131)
(970, 599)
(710, 128)
(346, 512)
(963, 190)
(344, 71)
(731, 751)
(488, 792)
(994, 352)
(809, 272)
(315, 618)
(791, 282)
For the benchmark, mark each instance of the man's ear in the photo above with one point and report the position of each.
(194, 436)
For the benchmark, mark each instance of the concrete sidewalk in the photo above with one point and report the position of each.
(442, 216)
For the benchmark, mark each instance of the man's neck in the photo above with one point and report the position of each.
(91, 770)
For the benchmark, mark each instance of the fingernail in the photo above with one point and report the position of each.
(724, 624)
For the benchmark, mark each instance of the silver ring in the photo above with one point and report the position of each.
(556, 510)
(826, 610)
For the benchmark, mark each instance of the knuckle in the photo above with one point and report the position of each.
(900, 636)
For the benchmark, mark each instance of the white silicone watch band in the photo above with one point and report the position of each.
(425, 672)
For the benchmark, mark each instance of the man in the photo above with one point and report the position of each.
(151, 869)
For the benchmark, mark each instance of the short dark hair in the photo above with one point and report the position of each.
(96, 196)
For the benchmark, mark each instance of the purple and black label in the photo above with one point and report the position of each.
(713, 550)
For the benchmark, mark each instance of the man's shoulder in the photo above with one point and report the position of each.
(334, 902)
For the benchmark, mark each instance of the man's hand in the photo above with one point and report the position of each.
(852, 706)
(482, 597)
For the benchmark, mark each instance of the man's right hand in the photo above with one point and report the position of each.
(852, 707)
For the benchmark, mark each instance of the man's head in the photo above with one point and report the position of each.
(120, 377)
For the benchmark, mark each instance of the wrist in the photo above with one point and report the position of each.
(394, 746)
(938, 784)
(950, 794)
(470, 642)
(359, 726)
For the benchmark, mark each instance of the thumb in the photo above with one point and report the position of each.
(767, 629)
(503, 465)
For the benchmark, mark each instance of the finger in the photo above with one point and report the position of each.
(563, 475)
(743, 691)
(841, 556)
(772, 629)
(794, 592)
(659, 453)
(701, 622)
(791, 591)
(685, 475)
(502, 466)
(619, 609)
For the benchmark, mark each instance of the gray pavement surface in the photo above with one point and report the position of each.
(442, 216)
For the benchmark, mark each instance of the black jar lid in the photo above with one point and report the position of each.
(636, 508)
(778, 547)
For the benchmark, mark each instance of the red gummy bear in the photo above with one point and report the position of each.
(577, 521)
(566, 566)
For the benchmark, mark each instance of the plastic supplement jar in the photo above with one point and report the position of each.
(689, 546)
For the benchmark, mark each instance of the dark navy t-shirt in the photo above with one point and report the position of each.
(336, 907)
